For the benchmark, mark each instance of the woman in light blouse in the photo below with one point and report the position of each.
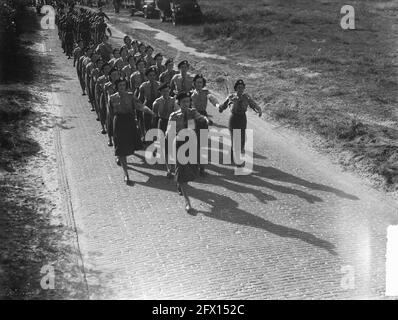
(180, 119)
(238, 103)
(122, 106)
(201, 96)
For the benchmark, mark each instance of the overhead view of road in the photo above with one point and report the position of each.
(297, 227)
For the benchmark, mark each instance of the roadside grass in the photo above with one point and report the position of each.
(31, 232)
(15, 143)
(357, 70)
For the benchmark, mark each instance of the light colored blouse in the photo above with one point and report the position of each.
(200, 98)
(124, 103)
(163, 108)
(239, 104)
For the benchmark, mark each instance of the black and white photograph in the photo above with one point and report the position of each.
(199, 155)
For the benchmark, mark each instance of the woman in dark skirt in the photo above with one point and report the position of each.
(123, 105)
(238, 104)
(184, 118)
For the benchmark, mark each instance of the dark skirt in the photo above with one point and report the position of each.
(125, 135)
(148, 122)
(238, 121)
(102, 109)
(109, 123)
(162, 124)
(185, 172)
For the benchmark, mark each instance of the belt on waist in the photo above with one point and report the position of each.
(238, 113)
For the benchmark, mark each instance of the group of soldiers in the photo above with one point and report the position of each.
(156, 86)
(75, 25)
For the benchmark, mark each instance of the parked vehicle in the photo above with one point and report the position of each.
(150, 9)
(179, 11)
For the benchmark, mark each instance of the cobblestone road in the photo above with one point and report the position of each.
(295, 228)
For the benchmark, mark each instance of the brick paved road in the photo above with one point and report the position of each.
(286, 231)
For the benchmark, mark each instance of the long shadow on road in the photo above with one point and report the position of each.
(227, 209)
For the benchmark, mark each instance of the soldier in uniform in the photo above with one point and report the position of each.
(160, 68)
(238, 104)
(84, 29)
(201, 96)
(95, 74)
(148, 93)
(128, 70)
(89, 68)
(122, 107)
(163, 107)
(136, 79)
(167, 75)
(179, 120)
(85, 61)
(141, 51)
(100, 95)
(78, 52)
(134, 47)
(150, 61)
(181, 82)
(127, 43)
(104, 49)
(109, 89)
(115, 56)
(69, 36)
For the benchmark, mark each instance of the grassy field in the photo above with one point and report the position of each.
(310, 73)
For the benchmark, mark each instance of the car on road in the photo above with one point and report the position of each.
(150, 9)
(179, 11)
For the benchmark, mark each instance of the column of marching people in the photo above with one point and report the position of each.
(132, 91)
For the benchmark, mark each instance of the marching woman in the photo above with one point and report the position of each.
(141, 51)
(110, 89)
(122, 106)
(78, 52)
(148, 93)
(150, 61)
(180, 120)
(81, 67)
(181, 82)
(127, 43)
(138, 77)
(163, 107)
(124, 54)
(238, 103)
(128, 70)
(115, 56)
(119, 64)
(200, 97)
(100, 95)
(160, 68)
(95, 74)
(166, 76)
(89, 68)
